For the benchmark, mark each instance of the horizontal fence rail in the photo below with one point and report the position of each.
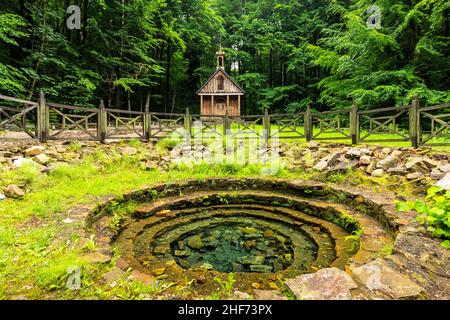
(52, 121)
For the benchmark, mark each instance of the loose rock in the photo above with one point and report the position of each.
(13, 191)
(325, 284)
(378, 278)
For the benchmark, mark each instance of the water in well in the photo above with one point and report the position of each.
(237, 247)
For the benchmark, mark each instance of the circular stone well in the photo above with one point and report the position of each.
(263, 231)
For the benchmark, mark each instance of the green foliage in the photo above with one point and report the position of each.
(290, 53)
(226, 286)
(354, 238)
(381, 67)
(434, 213)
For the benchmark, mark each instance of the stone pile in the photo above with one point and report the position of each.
(376, 161)
(47, 157)
(415, 165)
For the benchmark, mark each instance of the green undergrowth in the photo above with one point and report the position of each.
(37, 247)
(35, 251)
(433, 212)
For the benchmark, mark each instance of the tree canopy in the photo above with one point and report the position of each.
(286, 54)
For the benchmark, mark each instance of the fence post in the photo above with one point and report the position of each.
(187, 123)
(42, 119)
(226, 123)
(147, 123)
(414, 122)
(354, 124)
(266, 125)
(102, 122)
(307, 123)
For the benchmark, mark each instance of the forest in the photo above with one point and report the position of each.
(286, 54)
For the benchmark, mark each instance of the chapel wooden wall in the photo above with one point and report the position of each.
(209, 109)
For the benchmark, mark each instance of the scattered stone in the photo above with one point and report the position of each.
(431, 164)
(321, 165)
(128, 151)
(249, 244)
(445, 168)
(200, 278)
(365, 160)
(249, 230)
(141, 277)
(52, 153)
(268, 295)
(313, 145)
(437, 174)
(239, 295)
(327, 161)
(182, 253)
(256, 285)
(34, 151)
(122, 264)
(444, 182)
(378, 173)
(371, 167)
(13, 191)
(325, 284)
(251, 260)
(68, 221)
(424, 251)
(261, 268)
(414, 176)
(158, 271)
(97, 257)
(162, 277)
(42, 159)
(2, 197)
(397, 153)
(381, 279)
(268, 233)
(111, 277)
(206, 266)
(151, 165)
(195, 242)
(417, 165)
(354, 153)
(388, 162)
(399, 171)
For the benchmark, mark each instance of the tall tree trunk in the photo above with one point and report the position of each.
(271, 68)
(173, 100)
(118, 98)
(168, 66)
(41, 50)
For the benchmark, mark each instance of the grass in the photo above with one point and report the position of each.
(34, 258)
(37, 247)
(330, 136)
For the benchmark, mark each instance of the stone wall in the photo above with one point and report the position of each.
(421, 165)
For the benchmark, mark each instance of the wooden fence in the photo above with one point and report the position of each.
(51, 121)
